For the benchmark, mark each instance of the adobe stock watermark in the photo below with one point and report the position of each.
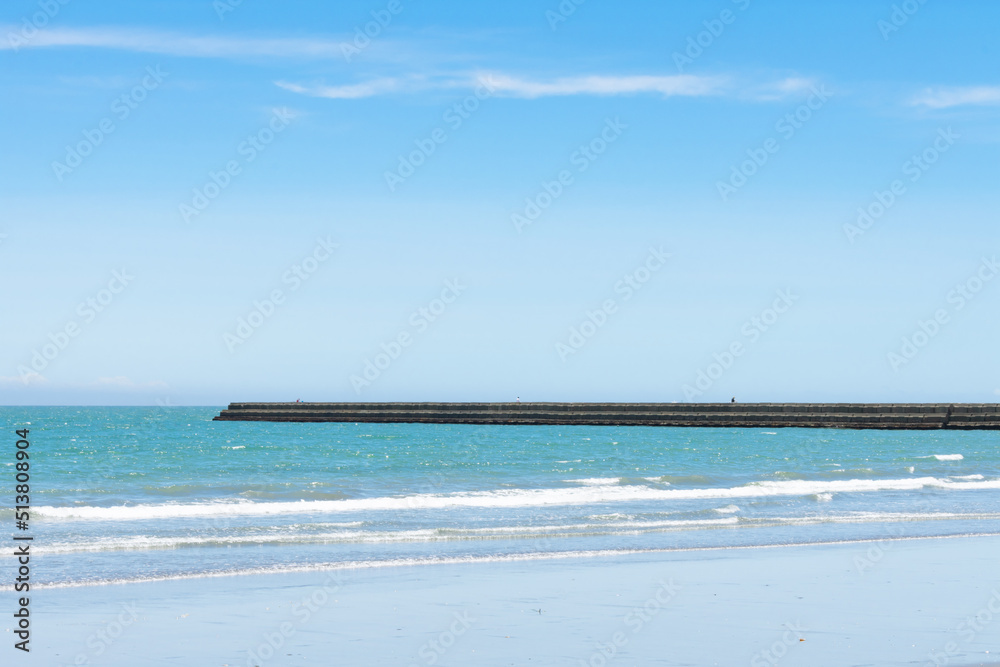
(431, 484)
(87, 311)
(101, 640)
(435, 482)
(714, 28)
(364, 34)
(30, 25)
(435, 648)
(874, 554)
(165, 405)
(635, 620)
(967, 630)
(786, 127)
(420, 320)
(957, 298)
(914, 168)
(247, 150)
(752, 330)
(121, 108)
(877, 550)
(770, 656)
(627, 287)
(302, 611)
(454, 117)
(223, 7)
(582, 158)
(562, 12)
(899, 17)
(264, 309)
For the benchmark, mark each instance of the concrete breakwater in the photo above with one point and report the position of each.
(753, 415)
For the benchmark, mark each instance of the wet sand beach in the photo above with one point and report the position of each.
(905, 602)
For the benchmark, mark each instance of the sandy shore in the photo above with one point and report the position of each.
(912, 602)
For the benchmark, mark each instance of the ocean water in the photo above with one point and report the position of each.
(132, 494)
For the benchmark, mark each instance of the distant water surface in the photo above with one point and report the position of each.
(123, 494)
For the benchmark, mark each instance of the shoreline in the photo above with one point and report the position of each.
(894, 602)
(499, 559)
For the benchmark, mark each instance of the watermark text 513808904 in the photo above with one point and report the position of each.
(22, 542)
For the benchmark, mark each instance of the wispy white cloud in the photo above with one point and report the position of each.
(781, 89)
(670, 85)
(194, 46)
(174, 44)
(29, 379)
(946, 98)
(349, 91)
(122, 382)
(522, 87)
(506, 85)
(33, 379)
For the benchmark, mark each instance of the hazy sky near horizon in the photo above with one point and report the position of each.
(207, 202)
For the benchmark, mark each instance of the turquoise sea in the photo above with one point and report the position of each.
(134, 494)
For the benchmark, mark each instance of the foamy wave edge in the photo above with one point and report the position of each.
(504, 498)
(510, 532)
(469, 560)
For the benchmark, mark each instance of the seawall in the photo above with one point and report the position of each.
(985, 416)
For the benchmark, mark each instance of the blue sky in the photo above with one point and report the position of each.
(476, 201)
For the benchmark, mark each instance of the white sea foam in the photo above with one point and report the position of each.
(509, 532)
(608, 481)
(462, 560)
(357, 565)
(948, 457)
(681, 523)
(728, 509)
(505, 498)
(341, 524)
(595, 481)
(144, 542)
(823, 497)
